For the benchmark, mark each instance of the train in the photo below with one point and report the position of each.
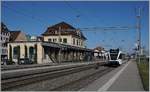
(116, 57)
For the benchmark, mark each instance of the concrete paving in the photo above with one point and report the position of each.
(123, 78)
(129, 80)
(101, 81)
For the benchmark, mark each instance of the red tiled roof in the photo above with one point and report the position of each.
(65, 29)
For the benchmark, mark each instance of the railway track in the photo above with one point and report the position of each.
(11, 81)
(84, 81)
(15, 67)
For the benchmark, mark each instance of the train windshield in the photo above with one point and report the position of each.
(113, 56)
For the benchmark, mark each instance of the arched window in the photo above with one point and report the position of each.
(31, 52)
(16, 52)
(50, 40)
(64, 40)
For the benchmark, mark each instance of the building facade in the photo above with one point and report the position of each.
(65, 34)
(45, 52)
(100, 53)
(5, 34)
(59, 43)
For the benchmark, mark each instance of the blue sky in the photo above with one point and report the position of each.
(34, 18)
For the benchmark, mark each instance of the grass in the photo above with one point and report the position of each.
(143, 67)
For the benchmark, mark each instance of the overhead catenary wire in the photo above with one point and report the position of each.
(108, 28)
(98, 28)
(79, 13)
(25, 15)
(39, 19)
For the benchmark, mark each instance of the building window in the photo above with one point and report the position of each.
(3, 50)
(65, 40)
(31, 52)
(6, 39)
(50, 40)
(60, 40)
(16, 52)
(77, 42)
(81, 43)
(73, 41)
(54, 40)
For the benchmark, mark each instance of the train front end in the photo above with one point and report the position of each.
(115, 57)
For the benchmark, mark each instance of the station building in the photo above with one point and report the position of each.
(59, 43)
(100, 53)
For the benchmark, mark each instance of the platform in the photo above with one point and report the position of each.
(123, 78)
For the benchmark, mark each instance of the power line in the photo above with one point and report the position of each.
(112, 28)
(79, 13)
(23, 14)
(72, 7)
(30, 16)
(56, 16)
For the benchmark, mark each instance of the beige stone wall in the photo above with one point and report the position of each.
(69, 40)
(40, 53)
(22, 50)
(81, 42)
(69, 55)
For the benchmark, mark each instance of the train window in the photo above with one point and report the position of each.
(114, 56)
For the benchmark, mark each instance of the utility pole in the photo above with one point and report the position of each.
(59, 39)
(138, 26)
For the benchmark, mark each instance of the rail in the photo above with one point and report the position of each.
(14, 78)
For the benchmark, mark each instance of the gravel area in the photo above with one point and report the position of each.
(64, 81)
(81, 83)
